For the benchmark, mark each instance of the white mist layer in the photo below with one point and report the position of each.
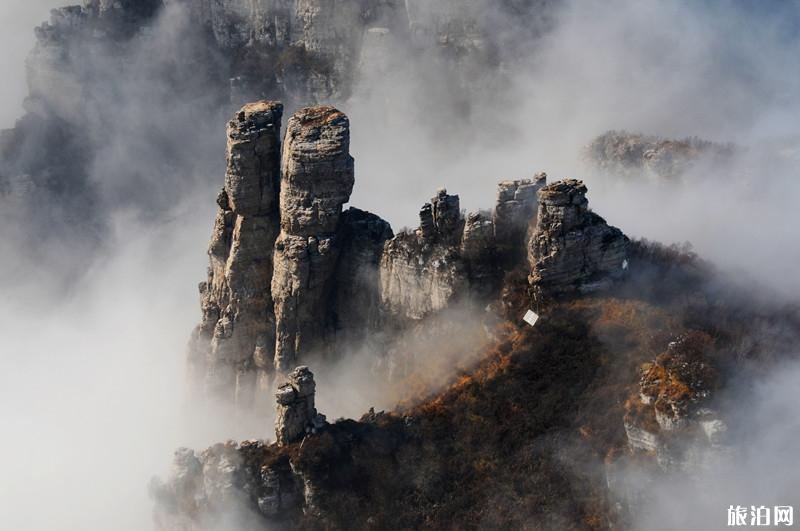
(91, 389)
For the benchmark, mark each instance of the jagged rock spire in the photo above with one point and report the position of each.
(317, 178)
(573, 249)
(296, 412)
(234, 344)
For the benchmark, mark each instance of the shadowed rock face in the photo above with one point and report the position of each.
(573, 249)
(515, 215)
(357, 303)
(128, 9)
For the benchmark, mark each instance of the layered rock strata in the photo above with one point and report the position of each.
(235, 341)
(573, 250)
(316, 180)
(422, 271)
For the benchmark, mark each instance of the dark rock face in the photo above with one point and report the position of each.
(573, 249)
(357, 300)
(515, 214)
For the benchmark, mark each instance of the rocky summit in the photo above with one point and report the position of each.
(572, 248)
(294, 277)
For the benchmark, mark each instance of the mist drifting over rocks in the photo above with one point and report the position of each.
(115, 152)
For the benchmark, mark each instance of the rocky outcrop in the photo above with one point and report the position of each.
(573, 250)
(422, 271)
(480, 254)
(245, 485)
(296, 413)
(123, 10)
(273, 294)
(316, 180)
(670, 417)
(293, 278)
(633, 155)
(418, 278)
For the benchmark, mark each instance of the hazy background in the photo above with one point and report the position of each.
(92, 382)
(17, 20)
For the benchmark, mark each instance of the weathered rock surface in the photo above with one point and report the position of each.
(422, 271)
(317, 179)
(296, 412)
(273, 294)
(573, 249)
(226, 484)
(418, 278)
(234, 344)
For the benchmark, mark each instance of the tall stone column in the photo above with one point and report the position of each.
(296, 413)
(316, 181)
(235, 341)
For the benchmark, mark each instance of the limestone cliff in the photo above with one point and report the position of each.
(99, 67)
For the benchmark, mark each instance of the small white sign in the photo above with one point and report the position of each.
(531, 317)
